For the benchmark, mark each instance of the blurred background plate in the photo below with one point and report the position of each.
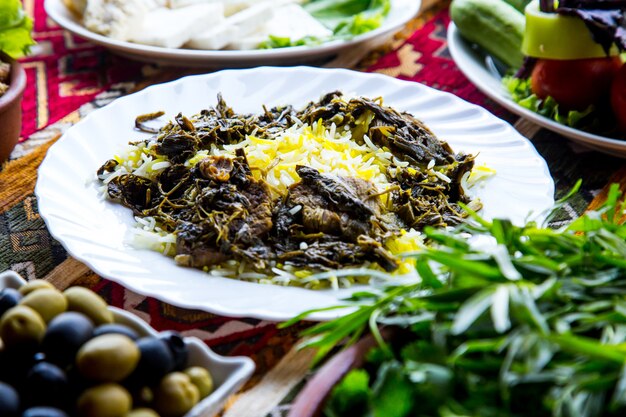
(483, 72)
(401, 12)
(95, 230)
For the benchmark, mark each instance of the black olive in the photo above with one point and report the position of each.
(44, 412)
(66, 333)
(177, 346)
(155, 362)
(9, 297)
(15, 364)
(116, 329)
(77, 382)
(9, 401)
(46, 384)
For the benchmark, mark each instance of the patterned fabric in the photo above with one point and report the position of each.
(65, 72)
(69, 78)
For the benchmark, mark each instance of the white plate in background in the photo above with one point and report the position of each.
(400, 13)
(93, 230)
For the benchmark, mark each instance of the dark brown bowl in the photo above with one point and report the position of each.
(11, 109)
(310, 401)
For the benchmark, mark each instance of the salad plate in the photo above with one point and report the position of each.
(482, 72)
(400, 13)
(95, 230)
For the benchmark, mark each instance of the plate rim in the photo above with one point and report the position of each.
(265, 313)
(208, 57)
(457, 48)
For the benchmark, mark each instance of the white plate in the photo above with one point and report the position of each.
(229, 374)
(480, 72)
(401, 12)
(93, 230)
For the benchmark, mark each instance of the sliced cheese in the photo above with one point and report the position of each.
(172, 28)
(235, 6)
(230, 6)
(215, 38)
(288, 21)
(177, 4)
(292, 21)
(117, 19)
(234, 27)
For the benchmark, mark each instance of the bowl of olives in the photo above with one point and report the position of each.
(69, 354)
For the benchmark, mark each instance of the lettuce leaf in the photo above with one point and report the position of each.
(348, 18)
(284, 42)
(351, 396)
(521, 93)
(15, 29)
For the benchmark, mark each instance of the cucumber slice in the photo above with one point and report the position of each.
(552, 36)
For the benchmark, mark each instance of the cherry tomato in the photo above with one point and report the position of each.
(574, 84)
(618, 98)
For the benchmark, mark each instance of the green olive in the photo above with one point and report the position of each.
(175, 395)
(142, 412)
(35, 285)
(142, 397)
(201, 378)
(48, 302)
(22, 326)
(85, 301)
(106, 400)
(108, 358)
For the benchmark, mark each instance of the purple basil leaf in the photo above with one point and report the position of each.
(527, 68)
(606, 26)
(546, 6)
(620, 37)
(593, 4)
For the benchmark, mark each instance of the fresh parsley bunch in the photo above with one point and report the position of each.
(506, 321)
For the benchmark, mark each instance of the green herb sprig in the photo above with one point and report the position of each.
(506, 321)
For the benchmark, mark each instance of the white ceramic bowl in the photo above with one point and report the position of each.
(229, 373)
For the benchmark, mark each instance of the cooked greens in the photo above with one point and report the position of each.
(194, 183)
(506, 321)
